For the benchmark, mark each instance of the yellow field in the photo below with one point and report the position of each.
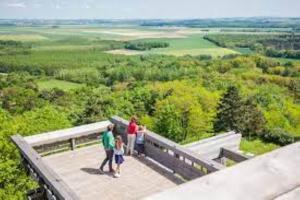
(214, 52)
(125, 52)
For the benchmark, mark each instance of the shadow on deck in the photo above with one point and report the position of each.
(139, 177)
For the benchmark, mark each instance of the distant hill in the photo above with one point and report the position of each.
(254, 22)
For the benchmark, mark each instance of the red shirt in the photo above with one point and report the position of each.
(132, 128)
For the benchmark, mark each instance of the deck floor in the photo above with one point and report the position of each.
(139, 177)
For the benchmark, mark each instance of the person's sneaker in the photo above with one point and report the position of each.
(101, 171)
(117, 175)
(112, 171)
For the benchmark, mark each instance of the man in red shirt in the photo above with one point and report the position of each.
(131, 135)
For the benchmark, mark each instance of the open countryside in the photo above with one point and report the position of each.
(183, 41)
(214, 98)
(176, 80)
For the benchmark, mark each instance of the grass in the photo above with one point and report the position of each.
(192, 45)
(257, 146)
(244, 51)
(23, 37)
(53, 83)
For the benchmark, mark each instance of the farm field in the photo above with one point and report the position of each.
(53, 83)
(183, 41)
(192, 45)
(105, 33)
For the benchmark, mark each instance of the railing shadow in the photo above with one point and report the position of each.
(162, 171)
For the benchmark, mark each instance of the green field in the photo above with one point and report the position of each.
(63, 85)
(244, 51)
(183, 41)
(191, 45)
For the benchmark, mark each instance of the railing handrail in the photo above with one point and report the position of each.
(210, 148)
(54, 183)
(210, 139)
(211, 165)
(176, 148)
(233, 155)
(66, 134)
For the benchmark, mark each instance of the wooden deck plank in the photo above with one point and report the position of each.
(52, 179)
(139, 178)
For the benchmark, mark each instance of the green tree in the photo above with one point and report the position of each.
(228, 111)
(97, 108)
(252, 119)
(235, 114)
(18, 100)
(13, 180)
(41, 120)
(168, 123)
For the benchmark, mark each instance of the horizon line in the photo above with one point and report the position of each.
(132, 19)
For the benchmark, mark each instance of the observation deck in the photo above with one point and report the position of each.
(65, 163)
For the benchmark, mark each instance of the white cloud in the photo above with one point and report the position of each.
(16, 5)
(57, 6)
(37, 5)
(61, 4)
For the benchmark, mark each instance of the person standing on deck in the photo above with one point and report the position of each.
(119, 151)
(140, 140)
(108, 142)
(131, 135)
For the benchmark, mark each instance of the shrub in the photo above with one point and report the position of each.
(278, 136)
(144, 46)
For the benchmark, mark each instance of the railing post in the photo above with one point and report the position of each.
(73, 144)
(223, 160)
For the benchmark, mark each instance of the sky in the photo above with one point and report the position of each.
(146, 9)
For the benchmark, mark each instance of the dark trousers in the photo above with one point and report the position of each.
(109, 159)
(140, 148)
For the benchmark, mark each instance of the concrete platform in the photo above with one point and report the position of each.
(272, 176)
(139, 177)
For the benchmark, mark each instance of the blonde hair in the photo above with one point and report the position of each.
(133, 119)
(119, 142)
(142, 128)
(119, 138)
